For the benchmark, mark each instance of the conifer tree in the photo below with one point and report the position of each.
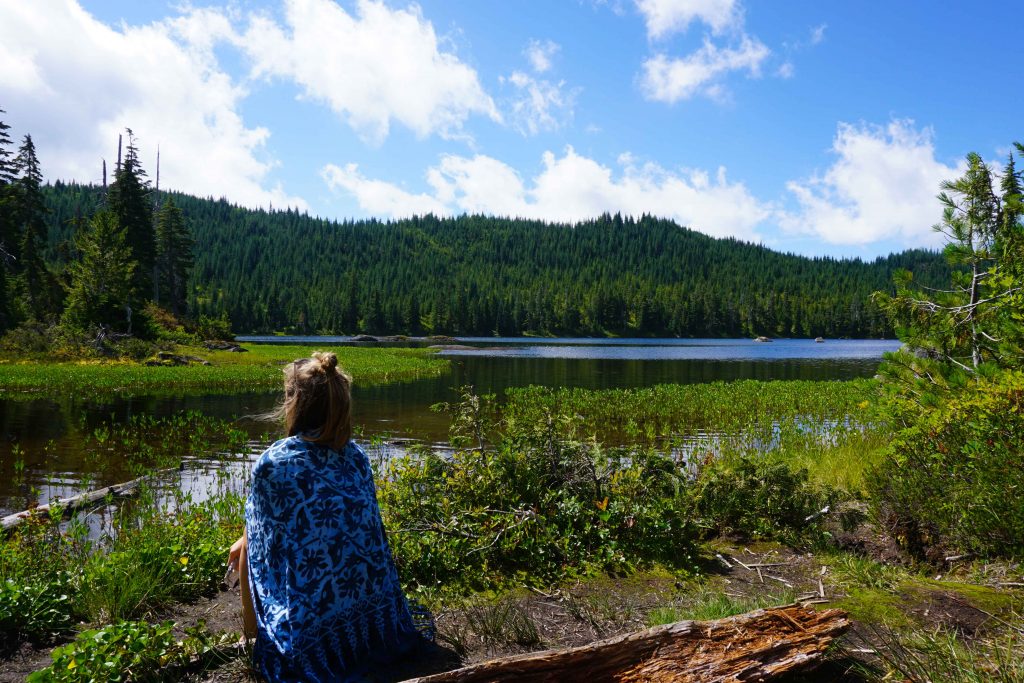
(8, 231)
(174, 258)
(128, 199)
(102, 280)
(34, 280)
(977, 319)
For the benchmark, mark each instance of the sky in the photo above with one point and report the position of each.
(818, 128)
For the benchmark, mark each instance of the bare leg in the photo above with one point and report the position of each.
(248, 611)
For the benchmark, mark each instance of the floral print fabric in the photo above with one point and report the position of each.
(326, 594)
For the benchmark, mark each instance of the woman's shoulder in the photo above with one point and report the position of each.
(293, 448)
(280, 453)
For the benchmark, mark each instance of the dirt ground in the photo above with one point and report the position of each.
(601, 608)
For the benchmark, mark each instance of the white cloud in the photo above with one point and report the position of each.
(568, 188)
(377, 197)
(74, 83)
(664, 17)
(540, 54)
(786, 70)
(666, 79)
(372, 67)
(882, 186)
(539, 104)
(818, 34)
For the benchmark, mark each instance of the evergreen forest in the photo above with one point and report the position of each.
(285, 271)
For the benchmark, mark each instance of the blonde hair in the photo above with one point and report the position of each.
(317, 401)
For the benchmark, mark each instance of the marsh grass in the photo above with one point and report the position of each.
(833, 430)
(257, 370)
(849, 571)
(940, 656)
(708, 604)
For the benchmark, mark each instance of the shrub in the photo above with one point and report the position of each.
(37, 611)
(164, 558)
(215, 329)
(955, 479)
(129, 651)
(539, 507)
(28, 339)
(758, 497)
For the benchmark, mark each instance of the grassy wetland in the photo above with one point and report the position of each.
(555, 516)
(258, 369)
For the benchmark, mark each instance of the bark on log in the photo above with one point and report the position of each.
(757, 646)
(72, 503)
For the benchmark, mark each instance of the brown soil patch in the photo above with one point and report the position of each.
(948, 611)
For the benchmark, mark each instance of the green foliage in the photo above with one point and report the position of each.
(36, 287)
(654, 414)
(173, 258)
(286, 271)
(977, 318)
(706, 604)
(214, 328)
(257, 370)
(128, 651)
(36, 611)
(941, 656)
(539, 507)
(102, 280)
(953, 480)
(131, 206)
(758, 497)
(173, 558)
(832, 429)
(161, 547)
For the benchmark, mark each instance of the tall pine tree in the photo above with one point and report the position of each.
(8, 231)
(128, 199)
(35, 282)
(7, 225)
(173, 258)
(102, 280)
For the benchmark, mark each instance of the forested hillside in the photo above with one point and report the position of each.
(286, 271)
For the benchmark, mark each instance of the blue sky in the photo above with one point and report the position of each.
(818, 128)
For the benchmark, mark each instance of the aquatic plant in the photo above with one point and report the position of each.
(257, 370)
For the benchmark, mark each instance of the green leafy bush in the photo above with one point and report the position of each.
(39, 576)
(955, 479)
(216, 329)
(539, 507)
(758, 497)
(128, 651)
(167, 558)
(37, 611)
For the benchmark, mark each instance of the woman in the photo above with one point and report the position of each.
(320, 593)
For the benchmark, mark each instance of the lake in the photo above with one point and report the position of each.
(49, 432)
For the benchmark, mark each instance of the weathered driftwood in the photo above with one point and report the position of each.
(73, 503)
(757, 646)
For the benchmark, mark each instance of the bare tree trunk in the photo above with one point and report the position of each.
(975, 345)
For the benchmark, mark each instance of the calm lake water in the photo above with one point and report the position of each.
(49, 432)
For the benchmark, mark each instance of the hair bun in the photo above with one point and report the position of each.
(328, 361)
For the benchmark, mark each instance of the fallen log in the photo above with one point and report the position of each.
(77, 502)
(757, 646)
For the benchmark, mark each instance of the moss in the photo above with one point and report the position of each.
(875, 606)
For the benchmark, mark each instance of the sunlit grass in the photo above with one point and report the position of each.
(259, 369)
(829, 428)
(707, 604)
